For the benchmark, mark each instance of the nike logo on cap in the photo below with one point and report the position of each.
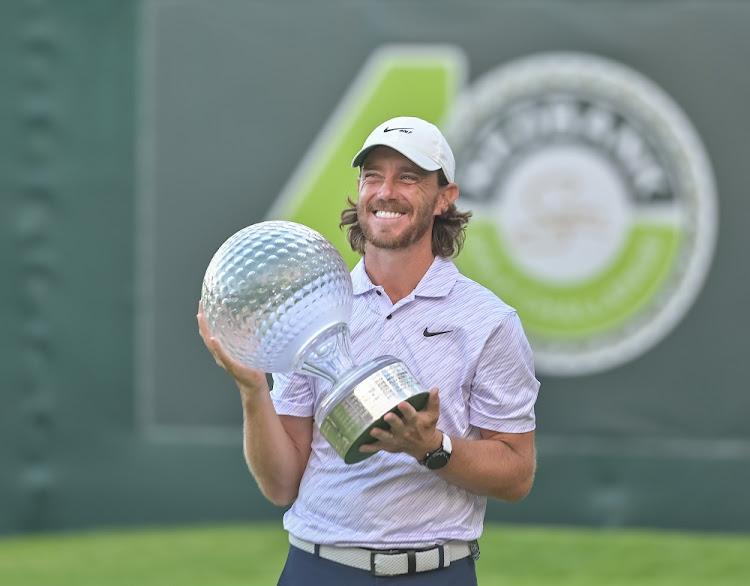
(406, 130)
(428, 334)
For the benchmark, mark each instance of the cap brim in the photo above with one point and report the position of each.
(417, 157)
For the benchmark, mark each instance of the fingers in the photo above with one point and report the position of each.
(397, 427)
(217, 352)
(433, 402)
(213, 345)
(220, 354)
(408, 429)
(249, 379)
(382, 434)
(203, 325)
(384, 439)
(408, 413)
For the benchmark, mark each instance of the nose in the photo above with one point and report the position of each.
(386, 188)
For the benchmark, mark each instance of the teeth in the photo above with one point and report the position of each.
(382, 214)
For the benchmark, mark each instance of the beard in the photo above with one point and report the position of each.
(422, 221)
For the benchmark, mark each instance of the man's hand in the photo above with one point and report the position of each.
(249, 380)
(412, 432)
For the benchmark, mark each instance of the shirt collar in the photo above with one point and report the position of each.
(437, 281)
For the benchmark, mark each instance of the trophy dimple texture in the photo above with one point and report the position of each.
(268, 283)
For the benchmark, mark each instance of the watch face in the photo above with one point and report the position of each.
(437, 460)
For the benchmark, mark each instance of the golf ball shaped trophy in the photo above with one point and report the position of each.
(278, 296)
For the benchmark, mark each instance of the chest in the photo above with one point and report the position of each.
(426, 334)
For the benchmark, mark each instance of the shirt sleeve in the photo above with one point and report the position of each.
(505, 388)
(293, 394)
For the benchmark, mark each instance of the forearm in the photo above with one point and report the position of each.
(491, 467)
(500, 465)
(276, 447)
(273, 457)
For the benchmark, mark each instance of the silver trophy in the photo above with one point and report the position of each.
(278, 296)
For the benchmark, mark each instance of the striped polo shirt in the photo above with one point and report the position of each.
(483, 368)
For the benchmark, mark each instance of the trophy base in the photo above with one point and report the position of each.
(353, 454)
(360, 400)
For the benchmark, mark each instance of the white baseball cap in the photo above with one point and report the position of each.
(416, 139)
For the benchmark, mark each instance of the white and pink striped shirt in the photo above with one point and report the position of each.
(484, 369)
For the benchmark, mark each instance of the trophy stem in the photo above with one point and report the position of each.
(328, 354)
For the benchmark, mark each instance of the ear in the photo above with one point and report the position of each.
(447, 196)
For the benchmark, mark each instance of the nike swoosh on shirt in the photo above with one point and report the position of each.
(428, 334)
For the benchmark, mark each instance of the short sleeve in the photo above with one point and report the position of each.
(293, 394)
(505, 388)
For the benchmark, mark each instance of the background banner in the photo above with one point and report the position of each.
(601, 147)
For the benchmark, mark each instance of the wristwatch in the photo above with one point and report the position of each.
(439, 458)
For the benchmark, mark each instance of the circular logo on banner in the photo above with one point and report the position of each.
(594, 205)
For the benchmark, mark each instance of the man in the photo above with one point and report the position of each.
(412, 512)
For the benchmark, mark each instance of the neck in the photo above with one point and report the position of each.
(397, 271)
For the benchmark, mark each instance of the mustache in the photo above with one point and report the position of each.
(386, 206)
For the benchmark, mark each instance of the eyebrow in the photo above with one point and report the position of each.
(412, 168)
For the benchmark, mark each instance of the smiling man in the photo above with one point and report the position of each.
(412, 513)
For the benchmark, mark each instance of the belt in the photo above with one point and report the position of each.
(391, 562)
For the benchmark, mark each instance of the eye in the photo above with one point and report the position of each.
(409, 178)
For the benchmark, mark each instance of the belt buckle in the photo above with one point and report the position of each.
(411, 560)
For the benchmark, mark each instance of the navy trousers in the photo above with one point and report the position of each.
(305, 569)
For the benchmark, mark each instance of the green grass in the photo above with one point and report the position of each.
(254, 555)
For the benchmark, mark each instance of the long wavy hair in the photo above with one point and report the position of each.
(448, 230)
